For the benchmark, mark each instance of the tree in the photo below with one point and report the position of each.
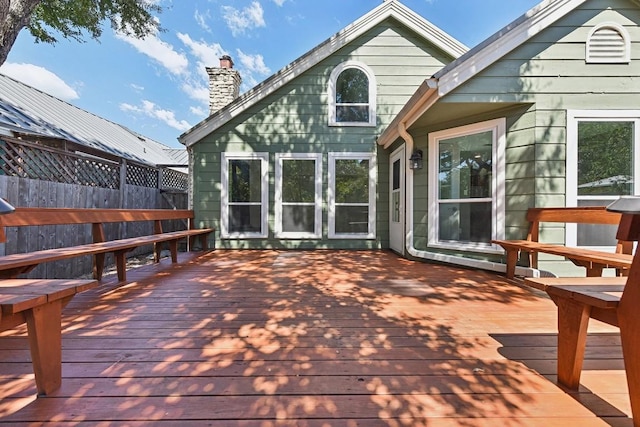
(73, 19)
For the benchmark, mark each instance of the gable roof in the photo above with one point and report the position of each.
(28, 111)
(474, 61)
(388, 9)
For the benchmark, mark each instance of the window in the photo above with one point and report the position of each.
(298, 196)
(603, 163)
(352, 95)
(352, 195)
(466, 191)
(608, 43)
(244, 195)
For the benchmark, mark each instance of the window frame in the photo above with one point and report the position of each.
(574, 117)
(499, 128)
(317, 233)
(331, 92)
(331, 195)
(264, 196)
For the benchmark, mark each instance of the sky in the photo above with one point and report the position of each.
(158, 86)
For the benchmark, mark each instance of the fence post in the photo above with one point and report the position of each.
(123, 182)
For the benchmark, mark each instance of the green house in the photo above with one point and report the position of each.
(293, 162)
(392, 135)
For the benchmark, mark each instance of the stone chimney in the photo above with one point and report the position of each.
(224, 84)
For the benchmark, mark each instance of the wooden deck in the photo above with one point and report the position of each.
(323, 338)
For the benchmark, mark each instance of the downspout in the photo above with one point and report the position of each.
(434, 256)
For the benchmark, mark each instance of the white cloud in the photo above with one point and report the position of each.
(197, 91)
(136, 87)
(253, 63)
(150, 109)
(201, 20)
(40, 78)
(160, 51)
(198, 111)
(279, 2)
(239, 21)
(206, 54)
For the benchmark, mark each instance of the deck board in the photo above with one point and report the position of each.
(324, 338)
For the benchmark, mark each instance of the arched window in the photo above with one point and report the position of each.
(608, 43)
(352, 95)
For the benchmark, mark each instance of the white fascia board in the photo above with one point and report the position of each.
(503, 42)
(388, 9)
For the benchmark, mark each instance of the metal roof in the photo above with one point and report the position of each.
(24, 109)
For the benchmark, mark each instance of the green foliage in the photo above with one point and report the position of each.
(75, 19)
(298, 183)
(352, 181)
(605, 158)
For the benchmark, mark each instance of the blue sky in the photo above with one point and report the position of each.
(158, 86)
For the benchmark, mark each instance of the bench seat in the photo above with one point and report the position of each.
(16, 264)
(594, 261)
(39, 304)
(612, 300)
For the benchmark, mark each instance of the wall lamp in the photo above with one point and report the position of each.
(5, 207)
(415, 161)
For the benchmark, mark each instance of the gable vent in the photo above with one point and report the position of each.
(608, 43)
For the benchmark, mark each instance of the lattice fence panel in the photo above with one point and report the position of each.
(142, 176)
(173, 179)
(25, 160)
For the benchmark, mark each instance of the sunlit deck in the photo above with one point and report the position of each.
(318, 338)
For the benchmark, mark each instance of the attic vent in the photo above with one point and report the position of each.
(608, 43)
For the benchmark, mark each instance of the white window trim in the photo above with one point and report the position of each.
(625, 59)
(498, 126)
(331, 196)
(317, 233)
(571, 191)
(264, 198)
(372, 93)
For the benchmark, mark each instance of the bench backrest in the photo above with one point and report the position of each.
(578, 215)
(96, 217)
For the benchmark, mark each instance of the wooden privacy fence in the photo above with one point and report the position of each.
(33, 175)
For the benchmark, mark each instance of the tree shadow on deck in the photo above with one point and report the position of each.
(296, 338)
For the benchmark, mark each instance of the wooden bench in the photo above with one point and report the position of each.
(593, 260)
(13, 265)
(39, 304)
(612, 300)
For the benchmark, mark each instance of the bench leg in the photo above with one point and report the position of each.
(157, 252)
(512, 260)
(173, 248)
(573, 321)
(121, 265)
(629, 322)
(203, 242)
(45, 342)
(98, 266)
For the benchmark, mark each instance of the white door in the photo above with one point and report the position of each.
(396, 200)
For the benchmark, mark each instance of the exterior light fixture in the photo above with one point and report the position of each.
(415, 161)
(5, 207)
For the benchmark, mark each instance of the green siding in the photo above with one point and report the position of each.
(548, 75)
(295, 119)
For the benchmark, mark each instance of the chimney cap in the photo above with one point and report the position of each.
(226, 61)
